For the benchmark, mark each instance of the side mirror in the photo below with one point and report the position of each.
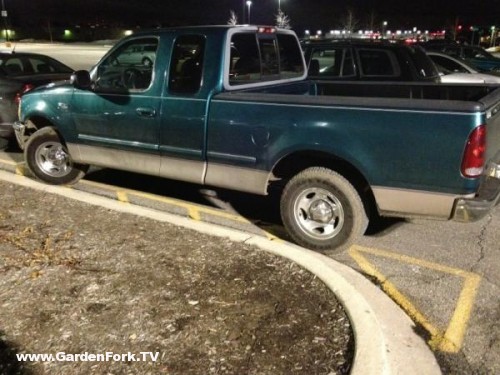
(81, 80)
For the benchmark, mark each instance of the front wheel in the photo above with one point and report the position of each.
(49, 160)
(322, 211)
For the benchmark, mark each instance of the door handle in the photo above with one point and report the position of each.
(146, 112)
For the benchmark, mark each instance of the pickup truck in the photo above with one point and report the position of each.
(231, 107)
(352, 60)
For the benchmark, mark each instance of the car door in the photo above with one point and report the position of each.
(117, 122)
(184, 108)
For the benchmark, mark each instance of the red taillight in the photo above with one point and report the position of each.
(474, 154)
(267, 30)
(26, 87)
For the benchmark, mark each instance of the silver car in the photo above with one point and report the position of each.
(454, 70)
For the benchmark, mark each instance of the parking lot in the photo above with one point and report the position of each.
(445, 275)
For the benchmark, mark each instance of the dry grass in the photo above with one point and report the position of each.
(76, 278)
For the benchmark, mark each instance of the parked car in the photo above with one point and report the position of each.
(350, 60)
(143, 54)
(455, 70)
(20, 73)
(478, 57)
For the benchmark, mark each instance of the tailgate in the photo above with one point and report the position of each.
(491, 104)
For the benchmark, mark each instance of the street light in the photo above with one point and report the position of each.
(249, 3)
(384, 26)
(279, 4)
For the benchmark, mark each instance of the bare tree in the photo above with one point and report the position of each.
(454, 28)
(233, 19)
(282, 20)
(350, 22)
(372, 19)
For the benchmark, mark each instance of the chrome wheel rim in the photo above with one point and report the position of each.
(319, 213)
(53, 160)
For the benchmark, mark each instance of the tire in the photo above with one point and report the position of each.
(49, 161)
(322, 211)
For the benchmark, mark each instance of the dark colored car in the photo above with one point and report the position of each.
(19, 73)
(479, 58)
(351, 60)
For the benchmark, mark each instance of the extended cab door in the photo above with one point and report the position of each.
(117, 122)
(184, 107)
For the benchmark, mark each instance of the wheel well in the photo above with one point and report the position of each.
(297, 162)
(37, 122)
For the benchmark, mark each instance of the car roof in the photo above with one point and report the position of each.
(350, 42)
(15, 53)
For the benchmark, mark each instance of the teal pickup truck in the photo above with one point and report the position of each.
(231, 107)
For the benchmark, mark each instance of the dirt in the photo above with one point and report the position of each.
(78, 279)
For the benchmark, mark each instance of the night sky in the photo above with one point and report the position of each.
(304, 14)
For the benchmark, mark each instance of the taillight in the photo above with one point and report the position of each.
(26, 87)
(474, 154)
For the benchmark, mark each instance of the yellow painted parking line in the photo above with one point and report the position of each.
(190, 207)
(20, 170)
(451, 339)
(9, 162)
(20, 166)
(194, 213)
(122, 196)
(272, 237)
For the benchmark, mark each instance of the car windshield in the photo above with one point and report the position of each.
(14, 65)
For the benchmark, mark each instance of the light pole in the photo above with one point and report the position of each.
(384, 26)
(493, 36)
(4, 16)
(249, 4)
(243, 13)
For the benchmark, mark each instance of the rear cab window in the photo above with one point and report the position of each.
(262, 56)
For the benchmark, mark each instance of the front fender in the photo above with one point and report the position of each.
(48, 108)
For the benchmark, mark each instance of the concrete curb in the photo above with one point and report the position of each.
(386, 341)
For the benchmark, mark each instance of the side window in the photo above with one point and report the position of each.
(378, 63)
(186, 66)
(13, 67)
(128, 68)
(332, 62)
(323, 62)
(41, 66)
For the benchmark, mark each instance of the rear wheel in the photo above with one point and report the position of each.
(322, 211)
(48, 159)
